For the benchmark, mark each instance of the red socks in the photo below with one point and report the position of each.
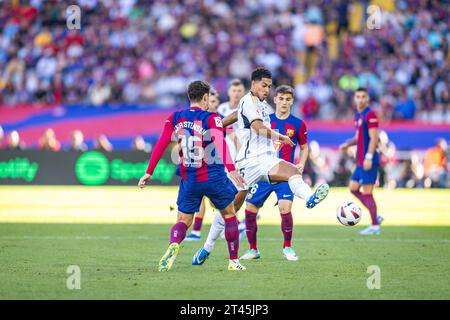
(369, 202)
(286, 227)
(178, 232)
(251, 228)
(197, 224)
(232, 236)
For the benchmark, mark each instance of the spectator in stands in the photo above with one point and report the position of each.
(139, 144)
(389, 163)
(343, 171)
(411, 172)
(321, 45)
(405, 108)
(435, 165)
(49, 142)
(309, 107)
(77, 141)
(14, 142)
(102, 143)
(320, 164)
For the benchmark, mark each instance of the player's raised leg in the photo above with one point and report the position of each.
(287, 172)
(177, 234)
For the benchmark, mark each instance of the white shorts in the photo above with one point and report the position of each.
(257, 168)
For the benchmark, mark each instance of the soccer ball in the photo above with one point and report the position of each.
(348, 213)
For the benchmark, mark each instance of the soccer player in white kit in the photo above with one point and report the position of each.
(257, 158)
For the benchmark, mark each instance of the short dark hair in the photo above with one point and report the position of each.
(198, 89)
(234, 83)
(283, 89)
(213, 92)
(260, 73)
(361, 89)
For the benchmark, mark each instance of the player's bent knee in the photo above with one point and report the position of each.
(283, 173)
(228, 212)
(354, 186)
(187, 219)
(285, 210)
(367, 189)
(284, 206)
(251, 207)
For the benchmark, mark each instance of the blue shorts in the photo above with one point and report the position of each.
(365, 177)
(260, 191)
(190, 194)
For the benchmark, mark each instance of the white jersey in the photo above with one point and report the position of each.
(224, 109)
(251, 109)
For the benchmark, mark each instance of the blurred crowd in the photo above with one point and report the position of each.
(49, 142)
(146, 51)
(398, 169)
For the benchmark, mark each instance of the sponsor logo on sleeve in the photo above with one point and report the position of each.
(218, 122)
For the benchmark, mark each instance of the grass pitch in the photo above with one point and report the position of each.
(116, 237)
(120, 262)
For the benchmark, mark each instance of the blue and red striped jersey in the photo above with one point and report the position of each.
(363, 122)
(202, 148)
(292, 127)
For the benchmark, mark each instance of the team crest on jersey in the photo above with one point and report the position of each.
(290, 133)
(359, 122)
(218, 122)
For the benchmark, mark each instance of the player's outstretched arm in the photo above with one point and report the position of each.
(264, 131)
(216, 127)
(230, 119)
(158, 151)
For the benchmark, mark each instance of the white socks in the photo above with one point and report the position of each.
(299, 187)
(217, 226)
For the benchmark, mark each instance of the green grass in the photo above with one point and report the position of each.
(120, 262)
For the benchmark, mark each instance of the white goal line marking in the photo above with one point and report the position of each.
(361, 239)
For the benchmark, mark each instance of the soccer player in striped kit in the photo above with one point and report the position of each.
(199, 134)
(367, 160)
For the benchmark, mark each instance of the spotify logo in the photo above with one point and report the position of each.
(92, 168)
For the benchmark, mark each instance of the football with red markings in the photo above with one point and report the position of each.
(349, 213)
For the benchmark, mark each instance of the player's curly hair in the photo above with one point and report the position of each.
(197, 89)
(260, 73)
